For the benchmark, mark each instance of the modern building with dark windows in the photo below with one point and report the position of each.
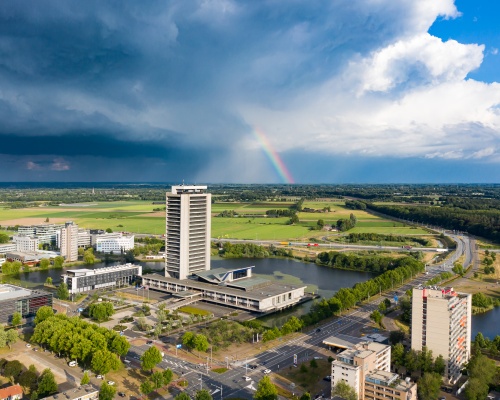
(25, 301)
(83, 280)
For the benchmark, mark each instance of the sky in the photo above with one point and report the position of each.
(265, 91)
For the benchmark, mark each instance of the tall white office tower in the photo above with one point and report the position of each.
(188, 226)
(69, 241)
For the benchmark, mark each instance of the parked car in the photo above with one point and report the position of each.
(247, 378)
(328, 378)
(28, 345)
(72, 364)
(267, 371)
(99, 377)
(121, 394)
(111, 383)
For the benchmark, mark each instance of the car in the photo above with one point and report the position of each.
(149, 342)
(72, 364)
(126, 361)
(252, 366)
(28, 345)
(318, 358)
(247, 378)
(328, 378)
(99, 377)
(121, 394)
(318, 330)
(267, 371)
(35, 348)
(111, 383)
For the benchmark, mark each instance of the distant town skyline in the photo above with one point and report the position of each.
(250, 92)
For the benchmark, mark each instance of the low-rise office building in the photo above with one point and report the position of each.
(83, 280)
(26, 243)
(7, 248)
(17, 299)
(29, 257)
(46, 233)
(234, 288)
(12, 392)
(83, 238)
(120, 244)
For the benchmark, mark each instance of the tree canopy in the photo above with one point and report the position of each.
(266, 390)
(345, 391)
(150, 358)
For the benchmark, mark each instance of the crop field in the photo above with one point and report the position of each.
(139, 217)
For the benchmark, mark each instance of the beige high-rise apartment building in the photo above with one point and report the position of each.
(441, 320)
(188, 226)
(69, 241)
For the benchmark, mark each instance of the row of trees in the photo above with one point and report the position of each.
(293, 324)
(33, 383)
(355, 205)
(372, 263)
(483, 222)
(377, 237)
(79, 340)
(15, 267)
(487, 345)
(417, 361)
(347, 298)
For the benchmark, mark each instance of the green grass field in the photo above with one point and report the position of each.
(138, 217)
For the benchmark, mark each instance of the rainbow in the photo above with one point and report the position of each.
(275, 159)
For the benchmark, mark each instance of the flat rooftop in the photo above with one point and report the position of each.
(12, 292)
(273, 289)
(342, 341)
(97, 271)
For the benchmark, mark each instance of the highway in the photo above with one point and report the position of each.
(305, 345)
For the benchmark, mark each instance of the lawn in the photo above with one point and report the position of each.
(310, 379)
(138, 217)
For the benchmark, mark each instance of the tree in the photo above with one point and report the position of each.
(479, 340)
(150, 358)
(62, 291)
(320, 224)
(428, 386)
(376, 317)
(11, 337)
(4, 238)
(85, 378)
(266, 390)
(104, 361)
(48, 281)
(345, 391)
(157, 379)
(439, 365)
(119, 345)
(182, 396)
(101, 311)
(43, 313)
(28, 380)
(88, 256)
(305, 396)
(203, 395)
(12, 369)
(146, 387)
(47, 384)
(382, 307)
(188, 339)
(168, 375)
(58, 262)
(200, 342)
(398, 355)
(396, 337)
(107, 392)
(44, 263)
(17, 318)
(313, 363)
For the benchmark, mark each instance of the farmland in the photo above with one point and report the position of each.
(250, 222)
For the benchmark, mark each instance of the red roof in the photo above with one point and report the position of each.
(10, 391)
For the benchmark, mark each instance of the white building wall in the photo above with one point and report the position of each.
(115, 245)
(350, 374)
(26, 243)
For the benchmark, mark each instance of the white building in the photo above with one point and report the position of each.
(7, 247)
(441, 320)
(114, 243)
(69, 241)
(83, 238)
(26, 243)
(99, 233)
(46, 233)
(188, 226)
(83, 280)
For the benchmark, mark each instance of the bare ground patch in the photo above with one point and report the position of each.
(32, 221)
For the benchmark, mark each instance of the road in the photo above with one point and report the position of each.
(306, 345)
